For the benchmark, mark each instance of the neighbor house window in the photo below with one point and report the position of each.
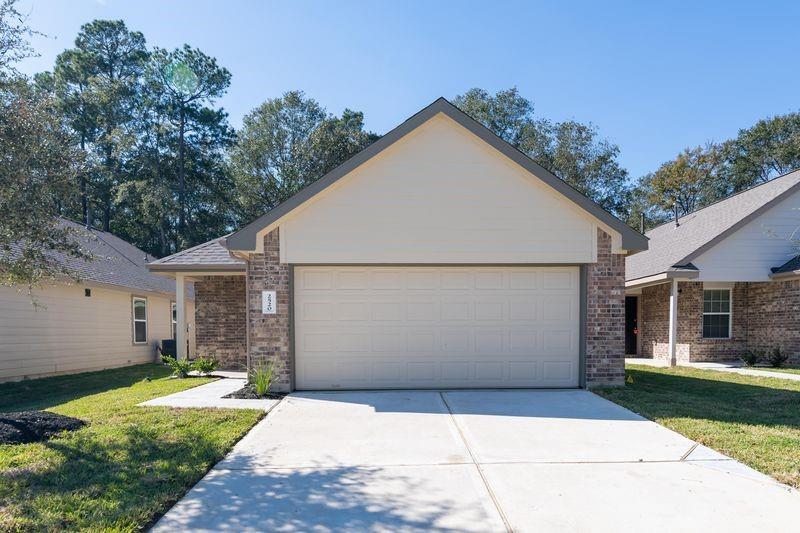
(174, 320)
(717, 313)
(139, 320)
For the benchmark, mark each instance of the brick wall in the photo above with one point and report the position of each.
(774, 317)
(270, 335)
(605, 316)
(220, 320)
(765, 315)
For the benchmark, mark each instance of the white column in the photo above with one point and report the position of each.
(180, 304)
(673, 322)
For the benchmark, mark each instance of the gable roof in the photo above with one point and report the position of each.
(673, 248)
(245, 238)
(210, 256)
(114, 261)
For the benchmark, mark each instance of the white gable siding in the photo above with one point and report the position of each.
(750, 252)
(75, 333)
(440, 195)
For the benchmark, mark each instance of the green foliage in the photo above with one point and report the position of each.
(36, 176)
(205, 365)
(571, 150)
(776, 358)
(286, 144)
(261, 377)
(751, 357)
(180, 367)
(126, 467)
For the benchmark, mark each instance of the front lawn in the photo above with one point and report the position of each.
(753, 419)
(784, 369)
(126, 467)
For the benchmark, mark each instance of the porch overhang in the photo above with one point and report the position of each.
(663, 277)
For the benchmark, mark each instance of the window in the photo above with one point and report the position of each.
(717, 314)
(174, 320)
(139, 320)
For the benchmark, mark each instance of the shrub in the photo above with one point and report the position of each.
(180, 367)
(205, 365)
(750, 357)
(261, 378)
(776, 358)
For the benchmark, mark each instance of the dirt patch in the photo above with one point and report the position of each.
(249, 393)
(34, 426)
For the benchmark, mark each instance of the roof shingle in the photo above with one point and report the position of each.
(670, 246)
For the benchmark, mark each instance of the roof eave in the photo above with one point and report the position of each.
(196, 267)
(661, 277)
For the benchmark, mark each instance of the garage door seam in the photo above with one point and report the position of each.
(494, 499)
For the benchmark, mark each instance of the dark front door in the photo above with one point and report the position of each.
(631, 325)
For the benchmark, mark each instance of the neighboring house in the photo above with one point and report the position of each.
(439, 256)
(116, 315)
(723, 280)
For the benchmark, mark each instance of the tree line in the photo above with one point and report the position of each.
(131, 139)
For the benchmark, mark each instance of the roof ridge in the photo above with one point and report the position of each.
(737, 193)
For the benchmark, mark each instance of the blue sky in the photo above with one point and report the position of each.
(654, 77)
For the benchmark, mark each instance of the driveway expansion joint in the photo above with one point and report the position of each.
(491, 493)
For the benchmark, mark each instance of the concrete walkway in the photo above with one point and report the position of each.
(475, 461)
(211, 395)
(735, 368)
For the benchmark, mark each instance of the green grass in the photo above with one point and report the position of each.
(784, 369)
(126, 467)
(753, 419)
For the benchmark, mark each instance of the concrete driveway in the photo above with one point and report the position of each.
(475, 461)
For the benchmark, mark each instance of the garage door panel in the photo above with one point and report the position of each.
(417, 327)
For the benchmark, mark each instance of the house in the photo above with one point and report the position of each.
(438, 257)
(116, 315)
(721, 280)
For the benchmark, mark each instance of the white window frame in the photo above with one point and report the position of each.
(173, 319)
(729, 313)
(134, 320)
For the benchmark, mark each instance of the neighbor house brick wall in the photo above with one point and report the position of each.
(774, 317)
(765, 315)
(605, 316)
(270, 335)
(221, 320)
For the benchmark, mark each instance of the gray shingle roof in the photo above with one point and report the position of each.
(114, 262)
(672, 247)
(789, 266)
(211, 255)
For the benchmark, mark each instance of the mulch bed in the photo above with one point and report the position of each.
(34, 426)
(248, 393)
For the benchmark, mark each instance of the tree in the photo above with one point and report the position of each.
(691, 180)
(97, 87)
(14, 34)
(572, 151)
(188, 79)
(37, 169)
(768, 149)
(286, 144)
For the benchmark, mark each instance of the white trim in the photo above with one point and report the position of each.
(658, 279)
(719, 287)
(673, 322)
(134, 320)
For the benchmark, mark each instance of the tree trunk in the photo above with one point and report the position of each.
(181, 179)
(84, 196)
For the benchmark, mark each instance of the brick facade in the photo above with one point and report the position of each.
(270, 335)
(765, 316)
(605, 316)
(220, 320)
(224, 314)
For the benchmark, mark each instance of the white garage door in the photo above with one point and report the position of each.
(436, 327)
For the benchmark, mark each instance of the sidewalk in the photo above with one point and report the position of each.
(733, 367)
(211, 395)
